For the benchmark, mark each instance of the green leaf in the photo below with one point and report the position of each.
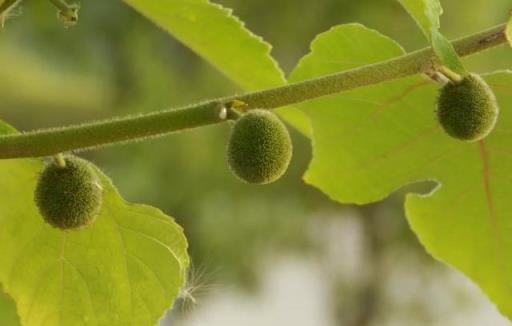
(508, 31)
(212, 32)
(222, 39)
(371, 141)
(347, 128)
(125, 269)
(8, 315)
(425, 12)
(466, 221)
(446, 53)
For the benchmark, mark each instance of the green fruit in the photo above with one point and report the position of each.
(259, 148)
(467, 109)
(69, 197)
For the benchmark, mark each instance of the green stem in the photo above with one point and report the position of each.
(450, 74)
(132, 128)
(59, 159)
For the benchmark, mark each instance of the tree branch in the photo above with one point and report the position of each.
(133, 128)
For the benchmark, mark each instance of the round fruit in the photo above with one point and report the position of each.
(68, 197)
(467, 109)
(259, 148)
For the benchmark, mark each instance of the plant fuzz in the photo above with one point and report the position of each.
(467, 109)
(70, 196)
(259, 148)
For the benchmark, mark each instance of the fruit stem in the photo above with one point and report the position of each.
(59, 159)
(437, 77)
(450, 74)
(234, 114)
(90, 135)
(236, 108)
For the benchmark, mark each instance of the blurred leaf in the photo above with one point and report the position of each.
(425, 12)
(8, 315)
(125, 269)
(223, 40)
(370, 142)
(446, 53)
(6, 4)
(29, 80)
(508, 31)
(5, 8)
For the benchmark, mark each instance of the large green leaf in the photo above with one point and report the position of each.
(212, 32)
(371, 141)
(125, 269)
(467, 221)
(425, 12)
(223, 40)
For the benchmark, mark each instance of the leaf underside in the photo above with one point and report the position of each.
(125, 269)
(370, 142)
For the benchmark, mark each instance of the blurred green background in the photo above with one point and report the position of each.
(274, 255)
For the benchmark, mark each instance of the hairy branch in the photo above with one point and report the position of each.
(132, 128)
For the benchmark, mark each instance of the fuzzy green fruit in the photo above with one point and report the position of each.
(259, 148)
(467, 109)
(69, 197)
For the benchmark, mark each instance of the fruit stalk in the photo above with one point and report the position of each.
(133, 128)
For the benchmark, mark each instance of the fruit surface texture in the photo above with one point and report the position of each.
(467, 109)
(70, 196)
(259, 148)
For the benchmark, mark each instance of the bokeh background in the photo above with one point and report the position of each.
(282, 254)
